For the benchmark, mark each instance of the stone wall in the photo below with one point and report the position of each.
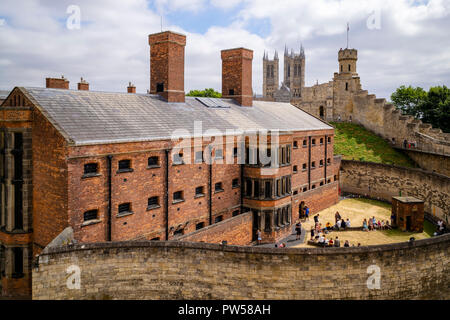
(439, 163)
(132, 270)
(236, 231)
(384, 181)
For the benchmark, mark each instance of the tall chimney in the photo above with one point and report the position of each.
(237, 75)
(131, 88)
(167, 65)
(83, 85)
(57, 83)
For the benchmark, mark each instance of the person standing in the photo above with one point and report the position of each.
(307, 212)
(298, 229)
(259, 236)
(337, 242)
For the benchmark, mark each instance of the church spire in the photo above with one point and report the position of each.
(275, 56)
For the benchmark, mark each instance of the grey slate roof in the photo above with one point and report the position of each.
(90, 117)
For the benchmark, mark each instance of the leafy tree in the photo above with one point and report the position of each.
(431, 107)
(408, 100)
(436, 108)
(209, 92)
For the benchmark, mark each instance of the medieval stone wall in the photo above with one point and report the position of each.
(384, 181)
(132, 270)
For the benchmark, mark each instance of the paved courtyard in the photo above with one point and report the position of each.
(357, 210)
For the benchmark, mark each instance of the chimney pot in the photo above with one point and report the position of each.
(83, 85)
(131, 88)
(57, 83)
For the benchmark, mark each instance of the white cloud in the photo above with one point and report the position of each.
(111, 48)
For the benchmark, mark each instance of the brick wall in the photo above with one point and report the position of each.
(384, 181)
(236, 231)
(132, 270)
(49, 174)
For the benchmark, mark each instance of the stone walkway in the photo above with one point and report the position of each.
(289, 240)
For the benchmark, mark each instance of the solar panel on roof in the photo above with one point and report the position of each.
(212, 103)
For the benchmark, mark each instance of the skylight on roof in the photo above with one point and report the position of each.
(212, 103)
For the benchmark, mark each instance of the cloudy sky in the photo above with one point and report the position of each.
(399, 42)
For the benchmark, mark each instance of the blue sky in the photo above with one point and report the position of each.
(399, 42)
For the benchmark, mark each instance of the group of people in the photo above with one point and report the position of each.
(324, 242)
(372, 224)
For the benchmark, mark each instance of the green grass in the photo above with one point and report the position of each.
(354, 142)
(428, 230)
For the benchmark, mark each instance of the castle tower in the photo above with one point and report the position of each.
(270, 75)
(346, 83)
(347, 60)
(294, 71)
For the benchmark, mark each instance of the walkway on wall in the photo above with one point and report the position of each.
(290, 240)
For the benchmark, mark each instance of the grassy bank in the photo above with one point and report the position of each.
(354, 142)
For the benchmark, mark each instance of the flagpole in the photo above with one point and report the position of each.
(348, 28)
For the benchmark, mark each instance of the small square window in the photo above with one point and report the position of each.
(199, 225)
(90, 215)
(305, 189)
(199, 191)
(329, 139)
(295, 169)
(153, 162)
(321, 140)
(124, 208)
(235, 183)
(235, 213)
(235, 152)
(305, 143)
(219, 154)
(313, 186)
(90, 168)
(125, 166)
(321, 163)
(313, 164)
(218, 187)
(178, 196)
(153, 202)
(313, 142)
(218, 219)
(199, 156)
(295, 144)
(304, 167)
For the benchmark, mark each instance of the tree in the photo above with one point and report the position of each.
(431, 107)
(436, 108)
(209, 92)
(408, 100)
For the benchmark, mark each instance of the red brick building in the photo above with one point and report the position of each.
(126, 166)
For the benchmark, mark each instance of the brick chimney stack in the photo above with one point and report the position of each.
(167, 65)
(57, 83)
(83, 85)
(131, 88)
(237, 75)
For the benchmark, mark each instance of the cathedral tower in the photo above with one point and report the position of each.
(294, 71)
(270, 75)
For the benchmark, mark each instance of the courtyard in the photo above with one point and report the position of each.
(358, 209)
